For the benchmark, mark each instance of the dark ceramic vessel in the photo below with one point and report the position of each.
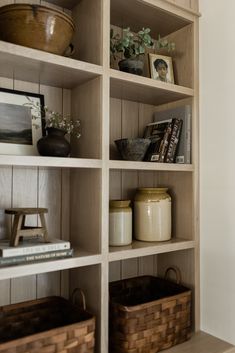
(54, 144)
(132, 66)
(133, 149)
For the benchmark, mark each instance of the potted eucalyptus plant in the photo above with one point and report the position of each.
(132, 46)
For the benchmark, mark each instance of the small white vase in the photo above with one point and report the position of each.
(120, 222)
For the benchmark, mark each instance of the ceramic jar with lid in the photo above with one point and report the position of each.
(152, 214)
(120, 222)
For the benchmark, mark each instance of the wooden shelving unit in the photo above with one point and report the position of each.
(76, 190)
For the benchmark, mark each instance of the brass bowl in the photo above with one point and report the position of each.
(37, 27)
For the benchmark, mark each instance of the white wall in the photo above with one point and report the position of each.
(217, 130)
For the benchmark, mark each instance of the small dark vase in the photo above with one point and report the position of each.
(54, 143)
(132, 66)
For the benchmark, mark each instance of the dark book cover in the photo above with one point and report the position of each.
(183, 154)
(174, 141)
(158, 133)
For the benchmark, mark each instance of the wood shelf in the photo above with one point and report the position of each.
(162, 18)
(80, 258)
(139, 248)
(145, 90)
(57, 162)
(202, 342)
(130, 165)
(34, 65)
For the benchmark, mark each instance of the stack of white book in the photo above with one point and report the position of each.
(33, 250)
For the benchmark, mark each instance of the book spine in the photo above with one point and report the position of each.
(188, 135)
(30, 250)
(174, 139)
(52, 255)
(164, 143)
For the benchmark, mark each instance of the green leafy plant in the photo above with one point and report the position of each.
(54, 119)
(134, 45)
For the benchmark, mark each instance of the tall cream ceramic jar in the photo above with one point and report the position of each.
(152, 214)
(120, 222)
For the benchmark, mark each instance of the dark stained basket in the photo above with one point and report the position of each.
(148, 314)
(49, 325)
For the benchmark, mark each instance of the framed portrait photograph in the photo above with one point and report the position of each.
(161, 68)
(21, 122)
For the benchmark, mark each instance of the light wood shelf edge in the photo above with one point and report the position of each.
(149, 249)
(146, 81)
(58, 162)
(82, 259)
(40, 56)
(130, 165)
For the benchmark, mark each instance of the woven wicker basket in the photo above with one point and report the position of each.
(49, 325)
(148, 314)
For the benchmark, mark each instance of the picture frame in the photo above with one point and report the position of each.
(21, 122)
(161, 68)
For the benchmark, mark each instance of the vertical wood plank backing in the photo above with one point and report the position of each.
(65, 199)
(180, 186)
(89, 280)
(88, 34)
(115, 271)
(114, 62)
(86, 106)
(185, 261)
(48, 284)
(53, 97)
(23, 288)
(130, 114)
(173, 105)
(146, 265)
(115, 183)
(49, 196)
(182, 56)
(130, 268)
(65, 224)
(115, 126)
(6, 198)
(49, 192)
(145, 117)
(85, 209)
(24, 194)
(115, 192)
(5, 202)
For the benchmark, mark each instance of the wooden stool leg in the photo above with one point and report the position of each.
(17, 224)
(44, 227)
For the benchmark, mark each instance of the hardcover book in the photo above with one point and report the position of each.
(32, 246)
(46, 256)
(159, 134)
(183, 154)
(174, 141)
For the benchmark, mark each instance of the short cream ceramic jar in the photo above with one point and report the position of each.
(152, 214)
(120, 222)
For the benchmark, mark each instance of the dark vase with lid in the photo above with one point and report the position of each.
(54, 143)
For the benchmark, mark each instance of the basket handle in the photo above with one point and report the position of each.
(74, 295)
(176, 271)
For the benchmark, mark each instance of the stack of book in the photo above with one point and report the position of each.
(33, 250)
(170, 136)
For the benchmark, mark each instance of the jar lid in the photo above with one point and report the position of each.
(152, 190)
(119, 203)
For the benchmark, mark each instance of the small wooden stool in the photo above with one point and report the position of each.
(20, 230)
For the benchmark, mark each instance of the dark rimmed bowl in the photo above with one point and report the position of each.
(132, 149)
